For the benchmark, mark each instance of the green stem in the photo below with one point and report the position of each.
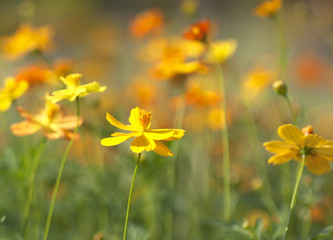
(282, 46)
(31, 181)
(291, 109)
(225, 140)
(293, 199)
(130, 195)
(62, 165)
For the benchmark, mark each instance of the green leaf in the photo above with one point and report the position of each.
(323, 234)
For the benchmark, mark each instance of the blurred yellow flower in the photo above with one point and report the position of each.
(74, 89)
(216, 119)
(145, 139)
(257, 81)
(196, 95)
(222, 50)
(268, 8)
(318, 151)
(173, 64)
(50, 120)
(12, 90)
(26, 40)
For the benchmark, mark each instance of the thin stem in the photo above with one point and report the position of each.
(130, 195)
(293, 199)
(62, 165)
(282, 46)
(225, 142)
(32, 177)
(291, 109)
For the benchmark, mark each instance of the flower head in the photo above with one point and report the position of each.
(145, 139)
(12, 90)
(318, 151)
(26, 40)
(222, 50)
(34, 75)
(268, 8)
(50, 120)
(198, 31)
(74, 89)
(146, 22)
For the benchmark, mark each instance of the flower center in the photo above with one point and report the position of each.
(144, 118)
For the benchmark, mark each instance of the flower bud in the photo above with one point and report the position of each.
(280, 87)
(307, 130)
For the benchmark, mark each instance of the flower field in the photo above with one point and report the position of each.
(166, 120)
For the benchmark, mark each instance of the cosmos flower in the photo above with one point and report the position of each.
(74, 89)
(12, 90)
(222, 50)
(145, 139)
(146, 22)
(27, 39)
(34, 75)
(318, 151)
(50, 120)
(268, 8)
(198, 31)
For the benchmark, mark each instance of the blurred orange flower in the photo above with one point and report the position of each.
(63, 67)
(50, 120)
(198, 31)
(268, 8)
(145, 139)
(196, 95)
(12, 90)
(34, 75)
(146, 22)
(26, 40)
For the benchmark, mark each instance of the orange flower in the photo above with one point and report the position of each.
(63, 67)
(26, 40)
(197, 96)
(146, 22)
(34, 75)
(268, 8)
(198, 31)
(50, 120)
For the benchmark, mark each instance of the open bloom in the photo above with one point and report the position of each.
(50, 120)
(12, 90)
(34, 75)
(26, 40)
(222, 50)
(145, 139)
(74, 89)
(268, 8)
(198, 31)
(317, 150)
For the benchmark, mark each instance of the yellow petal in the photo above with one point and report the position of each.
(311, 140)
(132, 134)
(177, 134)
(282, 157)
(290, 133)
(5, 103)
(112, 141)
(162, 150)
(59, 95)
(317, 165)
(326, 150)
(134, 117)
(279, 146)
(117, 124)
(160, 134)
(93, 87)
(24, 128)
(142, 143)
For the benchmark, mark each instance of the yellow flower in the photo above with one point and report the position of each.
(268, 8)
(26, 40)
(222, 50)
(145, 139)
(13, 89)
(74, 89)
(50, 120)
(318, 151)
(256, 82)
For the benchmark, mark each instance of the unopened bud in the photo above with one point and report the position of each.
(307, 130)
(280, 87)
